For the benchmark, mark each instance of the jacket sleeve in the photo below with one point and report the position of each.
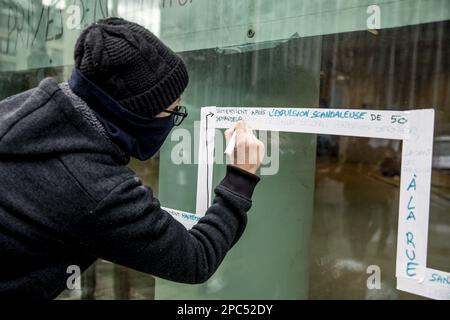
(128, 227)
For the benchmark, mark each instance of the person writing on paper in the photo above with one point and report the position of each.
(67, 196)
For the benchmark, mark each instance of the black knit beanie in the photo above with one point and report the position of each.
(132, 65)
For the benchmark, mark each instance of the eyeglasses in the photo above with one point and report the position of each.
(179, 114)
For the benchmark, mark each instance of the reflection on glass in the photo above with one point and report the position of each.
(357, 179)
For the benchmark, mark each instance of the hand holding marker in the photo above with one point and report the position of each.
(231, 145)
(244, 149)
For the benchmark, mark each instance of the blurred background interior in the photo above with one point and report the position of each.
(340, 193)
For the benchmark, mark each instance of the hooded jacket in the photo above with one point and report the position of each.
(67, 198)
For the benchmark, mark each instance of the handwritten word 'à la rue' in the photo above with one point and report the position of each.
(316, 114)
(410, 251)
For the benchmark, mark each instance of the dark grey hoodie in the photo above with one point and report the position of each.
(67, 198)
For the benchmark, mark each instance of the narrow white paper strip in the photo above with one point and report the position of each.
(360, 123)
(436, 285)
(414, 203)
(205, 159)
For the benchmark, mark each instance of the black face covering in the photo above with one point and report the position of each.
(139, 137)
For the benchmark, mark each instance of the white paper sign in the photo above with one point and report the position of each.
(415, 128)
